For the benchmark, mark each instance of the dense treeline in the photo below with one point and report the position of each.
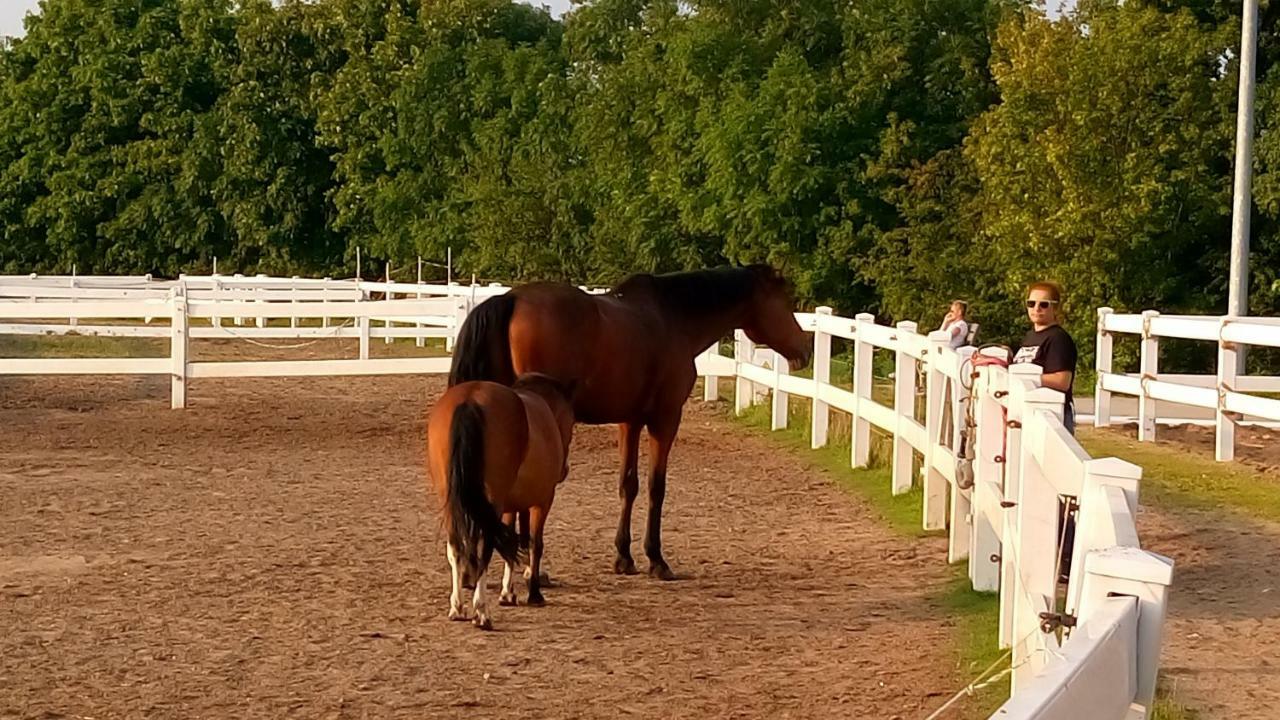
(891, 154)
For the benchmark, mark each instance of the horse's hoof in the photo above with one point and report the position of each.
(507, 600)
(484, 623)
(625, 566)
(536, 600)
(456, 615)
(661, 571)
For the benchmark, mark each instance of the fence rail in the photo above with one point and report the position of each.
(1005, 522)
(994, 487)
(1227, 394)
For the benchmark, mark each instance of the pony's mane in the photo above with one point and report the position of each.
(701, 289)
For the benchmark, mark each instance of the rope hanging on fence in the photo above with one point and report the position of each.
(291, 346)
(982, 681)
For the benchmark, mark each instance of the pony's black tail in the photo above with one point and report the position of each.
(475, 529)
(482, 350)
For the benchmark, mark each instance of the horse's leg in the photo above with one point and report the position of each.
(662, 435)
(478, 601)
(628, 488)
(508, 594)
(537, 521)
(455, 597)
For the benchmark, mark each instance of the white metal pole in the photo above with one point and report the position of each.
(1241, 206)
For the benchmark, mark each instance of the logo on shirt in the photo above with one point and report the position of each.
(1026, 354)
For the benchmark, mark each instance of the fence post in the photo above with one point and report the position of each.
(1150, 360)
(239, 319)
(324, 298)
(1102, 366)
(1035, 539)
(216, 294)
(421, 341)
(386, 295)
(261, 321)
(935, 483)
(743, 389)
(1146, 576)
(904, 401)
(293, 318)
(989, 462)
(363, 323)
(781, 400)
(72, 284)
(1225, 436)
(711, 383)
(1094, 511)
(178, 347)
(820, 417)
(1022, 378)
(860, 443)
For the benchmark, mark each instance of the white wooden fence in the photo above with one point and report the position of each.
(1226, 394)
(217, 307)
(1004, 525)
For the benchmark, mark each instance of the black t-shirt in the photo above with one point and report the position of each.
(1052, 349)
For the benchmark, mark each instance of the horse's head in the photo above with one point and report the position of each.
(771, 319)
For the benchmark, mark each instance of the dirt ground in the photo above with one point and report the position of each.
(272, 552)
(1220, 657)
(1256, 447)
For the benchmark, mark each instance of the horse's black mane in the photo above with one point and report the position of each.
(699, 289)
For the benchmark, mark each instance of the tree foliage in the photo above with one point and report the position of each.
(890, 154)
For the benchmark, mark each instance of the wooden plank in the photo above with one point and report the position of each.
(85, 309)
(407, 309)
(84, 366)
(1093, 675)
(89, 330)
(313, 368)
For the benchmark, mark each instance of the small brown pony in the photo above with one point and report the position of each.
(497, 451)
(632, 352)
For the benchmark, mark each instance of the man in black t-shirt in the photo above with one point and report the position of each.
(1050, 346)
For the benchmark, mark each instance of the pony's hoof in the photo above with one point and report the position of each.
(456, 615)
(536, 600)
(507, 600)
(624, 566)
(661, 571)
(484, 623)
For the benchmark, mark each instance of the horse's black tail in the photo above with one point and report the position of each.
(475, 528)
(482, 350)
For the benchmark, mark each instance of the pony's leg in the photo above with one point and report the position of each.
(545, 578)
(508, 595)
(628, 488)
(537, 521)
(455, 597)
(478, 601)
(662, 436)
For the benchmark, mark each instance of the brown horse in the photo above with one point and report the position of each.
(632, 352)
(497, 451)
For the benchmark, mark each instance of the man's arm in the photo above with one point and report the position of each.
(1059, 381)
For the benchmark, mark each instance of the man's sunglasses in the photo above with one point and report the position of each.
(1042, 304)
